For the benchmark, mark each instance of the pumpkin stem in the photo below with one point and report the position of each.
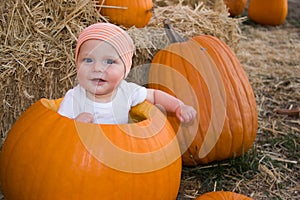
(172, 35)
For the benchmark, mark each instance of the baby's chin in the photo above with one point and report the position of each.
(101, 94)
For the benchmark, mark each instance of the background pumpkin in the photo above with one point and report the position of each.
(224, 195)
(44, 157)
(227, 110)
(134, 12)
(268, 12)
(235, 7)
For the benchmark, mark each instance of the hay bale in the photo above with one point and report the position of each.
(216, 5)
(39, 39)
(38, 42)
(188, 22)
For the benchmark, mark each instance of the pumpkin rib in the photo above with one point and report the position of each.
(234, 82)
(228, 80)
(245, 103)
(230, 128)
(216, 53)
(253, 112)
(242, 106)
(242, 76)
(249, 93)
(218, 146)
(220, 149)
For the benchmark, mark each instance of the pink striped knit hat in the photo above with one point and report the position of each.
(112, 34)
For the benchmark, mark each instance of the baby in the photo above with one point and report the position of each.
(103, 60)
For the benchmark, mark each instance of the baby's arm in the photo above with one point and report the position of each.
(183, 112)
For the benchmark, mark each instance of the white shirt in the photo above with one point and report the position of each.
(114, 112)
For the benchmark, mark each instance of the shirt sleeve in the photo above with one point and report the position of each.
(136, 93)
(66, 106)
(139, 96)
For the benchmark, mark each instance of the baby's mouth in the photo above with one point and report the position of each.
(99, 81)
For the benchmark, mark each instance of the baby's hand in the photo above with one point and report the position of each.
(185, 113)
(85, 117)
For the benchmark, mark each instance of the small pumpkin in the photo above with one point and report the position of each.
(205, 73)
(48, 156)
(268, 12)
(235, 7)
(127, 13)
(224, 195)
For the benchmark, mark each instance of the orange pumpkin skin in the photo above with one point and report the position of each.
(268, 12)
(44, 158)
(224, 195)
(239, 121)
(235, 7)
(135, 13)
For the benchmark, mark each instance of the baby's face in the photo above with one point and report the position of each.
(99, 70)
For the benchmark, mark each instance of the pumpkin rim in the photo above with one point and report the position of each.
(136, 111)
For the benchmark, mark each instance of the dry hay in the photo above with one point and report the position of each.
(39, 38)
(216, 5)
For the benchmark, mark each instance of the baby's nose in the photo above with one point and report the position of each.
(100, 67)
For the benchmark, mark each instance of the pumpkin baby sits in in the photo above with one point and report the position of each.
(103, 60)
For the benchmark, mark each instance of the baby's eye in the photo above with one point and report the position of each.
(109, 61)
(87, 60)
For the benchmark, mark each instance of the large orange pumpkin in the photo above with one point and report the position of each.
(127, 13)
(47, 156)
(235, 7)
(268, 12)
(205, 73)
(223, 195)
